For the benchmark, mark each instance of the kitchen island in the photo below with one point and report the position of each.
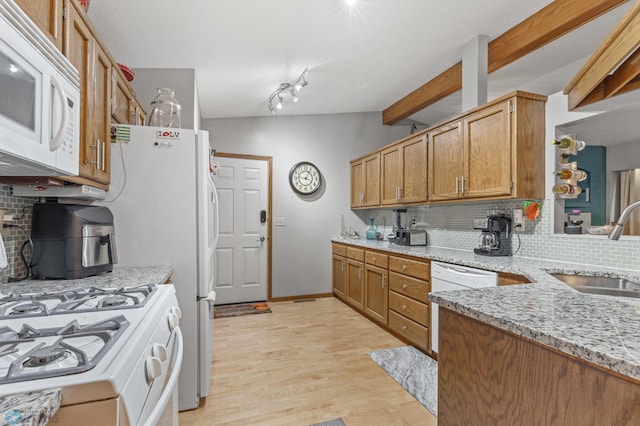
(40, 405)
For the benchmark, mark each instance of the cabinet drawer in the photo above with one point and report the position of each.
(414, 332)
(410, 287)
(339, 250)
(356, 254)
(413, 268)
(375, 258)
(412, 309)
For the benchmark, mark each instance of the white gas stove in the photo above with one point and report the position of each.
(114, 352)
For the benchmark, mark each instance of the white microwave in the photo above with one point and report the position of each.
(39, 101)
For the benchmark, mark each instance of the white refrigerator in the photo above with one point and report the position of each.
(165, 210)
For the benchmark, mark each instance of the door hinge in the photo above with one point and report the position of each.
(64, 13)
(510, 106)
(513, 184)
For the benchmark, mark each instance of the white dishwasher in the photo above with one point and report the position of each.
(445, 277)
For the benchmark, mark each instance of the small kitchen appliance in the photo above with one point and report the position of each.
(408, 237)
(495, 238)
(72, 241)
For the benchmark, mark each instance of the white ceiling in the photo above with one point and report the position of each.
(360, 59)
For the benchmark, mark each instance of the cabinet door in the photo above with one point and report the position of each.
(78, 48)
(372, 180)
(414, 170)
(339, 276)
(122, 109)
(357, 183)
(355, 283)
(446, 160)
(390, 175)
(101, 114)
(487, 166)
(376, 293)
(47, 15)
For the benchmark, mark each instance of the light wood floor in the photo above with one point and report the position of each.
(302, 364)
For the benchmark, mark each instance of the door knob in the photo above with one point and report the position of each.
(261, 239)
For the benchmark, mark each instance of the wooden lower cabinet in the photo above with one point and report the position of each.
(376, 293)
(355, 284)
(339, 271)
(370, 283)
(489, 376)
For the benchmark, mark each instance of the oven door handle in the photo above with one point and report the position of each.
(167, 392)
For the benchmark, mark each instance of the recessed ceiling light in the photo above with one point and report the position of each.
(351, 3)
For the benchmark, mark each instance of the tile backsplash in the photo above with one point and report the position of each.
(21, 209)
(451, 226)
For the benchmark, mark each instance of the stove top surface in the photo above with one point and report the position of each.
(14, 305)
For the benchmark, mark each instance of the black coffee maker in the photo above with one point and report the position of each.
(495, 239)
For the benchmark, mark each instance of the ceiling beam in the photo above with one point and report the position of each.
(612, 67)
(554, 20)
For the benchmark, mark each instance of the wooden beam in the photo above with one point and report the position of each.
(554, 20)
(617, 49)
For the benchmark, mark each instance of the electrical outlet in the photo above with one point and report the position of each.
(3, 231)
(518, 217)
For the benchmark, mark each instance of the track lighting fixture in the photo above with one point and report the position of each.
(293, 88)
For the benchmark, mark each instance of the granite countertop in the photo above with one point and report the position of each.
(120, 277)
(29, 409)
(603, 330)
(37, 408)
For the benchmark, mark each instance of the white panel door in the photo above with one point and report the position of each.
(241, 254)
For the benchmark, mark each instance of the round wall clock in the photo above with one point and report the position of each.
(305, 178)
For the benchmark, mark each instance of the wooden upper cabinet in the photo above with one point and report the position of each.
(414, 170)
(47, 15)
(365, 181)
(391, 175)
(121, 100)
(446, 161)
(403, 176)
(494, 152)
(487, 152)
(94, 66)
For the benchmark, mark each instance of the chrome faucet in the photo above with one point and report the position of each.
(617, 230)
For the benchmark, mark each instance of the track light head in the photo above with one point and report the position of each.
(279, 104)
(294, 96)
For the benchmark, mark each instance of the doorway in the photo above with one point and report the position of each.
(242, 261)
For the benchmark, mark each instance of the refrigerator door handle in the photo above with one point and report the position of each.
(216, 218)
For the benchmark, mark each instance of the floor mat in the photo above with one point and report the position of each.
(238, 309)
(336, 422)
(414, 371)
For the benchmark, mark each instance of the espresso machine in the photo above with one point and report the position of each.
(495, 238)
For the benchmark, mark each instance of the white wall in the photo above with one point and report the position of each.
(182, 81)
(301, 250)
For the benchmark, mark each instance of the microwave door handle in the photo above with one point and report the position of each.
(56, 141)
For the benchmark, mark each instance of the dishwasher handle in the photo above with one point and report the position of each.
(461, 270)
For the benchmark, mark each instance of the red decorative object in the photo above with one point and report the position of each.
(127, 72)
(85, 4)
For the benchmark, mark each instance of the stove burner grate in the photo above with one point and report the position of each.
(41, 355)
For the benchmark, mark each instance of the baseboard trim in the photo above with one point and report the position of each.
(306, 296)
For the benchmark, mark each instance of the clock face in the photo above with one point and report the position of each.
(305, 178)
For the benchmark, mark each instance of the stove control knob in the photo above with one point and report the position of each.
(159, 351)
(176, 311)
(153, 368)
(174, 321)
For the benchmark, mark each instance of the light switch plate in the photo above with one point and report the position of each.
(279, 221)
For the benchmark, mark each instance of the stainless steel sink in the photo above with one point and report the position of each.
(601, 285)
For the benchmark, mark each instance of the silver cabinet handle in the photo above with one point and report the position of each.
(342, 265)
(462, 186)
(404, 267)
(404, 307)
(383, 280)
(404, 285)
(360, 272)
(457, 190)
